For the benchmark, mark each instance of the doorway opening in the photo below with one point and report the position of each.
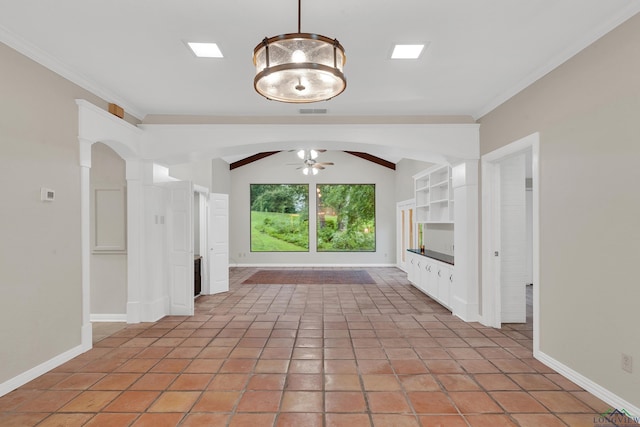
(508, 210)
(108, 235)
(200, 236)
(404, 232)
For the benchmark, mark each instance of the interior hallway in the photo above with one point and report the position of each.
(307, 355)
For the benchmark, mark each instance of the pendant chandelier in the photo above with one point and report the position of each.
(299, 67)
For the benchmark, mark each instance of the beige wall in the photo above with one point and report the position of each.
(588, 114)
(108, 270)
(40, 268)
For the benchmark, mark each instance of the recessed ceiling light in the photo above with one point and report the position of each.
(407, 51)
(205, 50)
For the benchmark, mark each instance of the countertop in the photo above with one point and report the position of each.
(438, 256)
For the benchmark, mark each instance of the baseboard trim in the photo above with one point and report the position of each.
(312, 265)
(98, 317)
(41, 369)
(133, 312)
(146, 311)
(596, 389)
(464, 310)
(86, 334)
(154, 310)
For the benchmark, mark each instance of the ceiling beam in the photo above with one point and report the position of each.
(374, 159)
(251, 159)
(365, 156)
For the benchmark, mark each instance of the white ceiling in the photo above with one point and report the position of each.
(480, 53)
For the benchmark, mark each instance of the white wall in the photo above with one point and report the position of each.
(198, 172)
(405, 169)
(108, 270)
(439, 238)
(348, 169)
(221, 177)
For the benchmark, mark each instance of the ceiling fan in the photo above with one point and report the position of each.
(310, 164)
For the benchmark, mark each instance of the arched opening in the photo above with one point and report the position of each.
(108, 251)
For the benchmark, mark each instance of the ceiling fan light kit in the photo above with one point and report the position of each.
(308, 170)
(312, 154)
(299, 67)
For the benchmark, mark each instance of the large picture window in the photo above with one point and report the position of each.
(279, 217)
(346, 217)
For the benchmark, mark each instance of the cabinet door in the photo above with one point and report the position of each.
(421, 273)
(424, 274)
(431, 285)
(416, 271)
(411, 267)
(445, 283)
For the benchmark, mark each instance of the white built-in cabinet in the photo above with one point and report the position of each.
(433, 277)
(436, 189)
(434, 195)
(434, 205)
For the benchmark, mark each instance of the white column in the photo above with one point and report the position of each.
(85, 236)
(464, 299)
(135, 209)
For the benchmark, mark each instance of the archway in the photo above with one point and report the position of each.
(96, 125)
(108, 235)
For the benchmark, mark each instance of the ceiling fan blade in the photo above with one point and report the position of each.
(326, 163)
(318, 166)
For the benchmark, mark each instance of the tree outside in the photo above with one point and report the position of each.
(346, 218)
(279, 217)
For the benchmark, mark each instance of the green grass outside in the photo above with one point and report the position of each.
(262, 242)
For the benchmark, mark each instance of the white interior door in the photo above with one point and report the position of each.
(201, 234)
(180, 247)
(218, 243)
(513, 240)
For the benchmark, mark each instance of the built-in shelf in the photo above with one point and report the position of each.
(434, 195)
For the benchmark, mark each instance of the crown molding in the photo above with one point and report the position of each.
(38, 55)
(560, 59)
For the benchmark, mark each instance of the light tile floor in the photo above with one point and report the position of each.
(306, 355)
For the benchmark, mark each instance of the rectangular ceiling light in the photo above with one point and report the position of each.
(407, 51)
(205, 50)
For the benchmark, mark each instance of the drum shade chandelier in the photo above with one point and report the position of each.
(299, 67)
